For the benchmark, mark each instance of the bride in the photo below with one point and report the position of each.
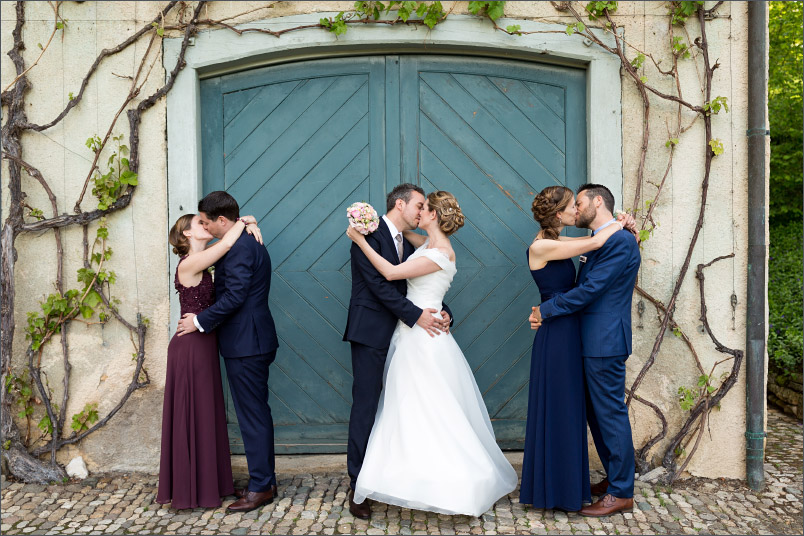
(432, 446)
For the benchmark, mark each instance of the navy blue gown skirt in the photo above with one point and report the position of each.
(555, 469)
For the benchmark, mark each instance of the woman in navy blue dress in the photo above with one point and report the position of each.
(555, 469)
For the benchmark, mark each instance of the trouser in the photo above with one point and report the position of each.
(248, 384)
(368, 365)
(607, 416)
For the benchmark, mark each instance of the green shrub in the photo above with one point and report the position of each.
(785, 297)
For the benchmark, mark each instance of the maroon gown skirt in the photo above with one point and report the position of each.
(195, 468)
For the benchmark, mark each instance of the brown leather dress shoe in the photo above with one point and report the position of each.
(600, 488)
(607, 505)
(240, 492)
(362, 510)
(251, 501)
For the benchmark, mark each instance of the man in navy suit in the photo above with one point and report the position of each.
(602, 295)
(247, 341)
(374, 308)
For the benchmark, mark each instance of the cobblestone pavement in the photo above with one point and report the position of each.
(314, 504)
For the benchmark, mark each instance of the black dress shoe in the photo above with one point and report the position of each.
(240, 492)
(362, 510)
(251, 501)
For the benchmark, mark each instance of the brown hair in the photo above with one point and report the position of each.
(550, 201)
(180, 243)
(450, 217)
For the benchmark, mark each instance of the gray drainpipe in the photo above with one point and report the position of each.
(757, 246)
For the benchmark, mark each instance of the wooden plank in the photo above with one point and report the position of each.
(317, 193)
(482, 107)
(504, 390)
(211, 136)
(551, 95)
(315, 369)
(298, 310)
(533, 108)
(391, 94)
(509, 212)
(253, 114)
(299, 150)
(285, 130)
(335, 313)
(235, 101)
(283, 384)
(485, 207)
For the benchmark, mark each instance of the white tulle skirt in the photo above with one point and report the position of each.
(432, 446)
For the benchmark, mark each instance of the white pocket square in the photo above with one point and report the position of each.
(582, 258)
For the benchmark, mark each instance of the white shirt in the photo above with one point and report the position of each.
(391, 227)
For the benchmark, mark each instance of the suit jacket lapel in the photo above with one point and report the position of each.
(585, 266)
(385, 234)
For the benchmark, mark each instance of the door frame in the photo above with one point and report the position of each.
(222, 51)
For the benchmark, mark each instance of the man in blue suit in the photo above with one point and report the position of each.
(602, 295)
(375, 307)
(247, 341)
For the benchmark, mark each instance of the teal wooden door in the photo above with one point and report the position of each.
(296, 144)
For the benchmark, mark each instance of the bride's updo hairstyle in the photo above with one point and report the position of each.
(546, 205)
(450, 217)
(180, 243)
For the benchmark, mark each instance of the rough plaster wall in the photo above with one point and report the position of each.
(131, 440)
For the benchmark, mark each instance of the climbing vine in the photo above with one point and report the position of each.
(112, 178)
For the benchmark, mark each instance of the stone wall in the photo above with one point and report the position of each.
(785, 392)
(102, 355)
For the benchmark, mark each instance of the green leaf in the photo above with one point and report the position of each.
(717, 146)
(86, 311)
(513, 29)
(644, 234)
(45, 425)
(570, 29)
(59, 25)
(495, 10)
(160, 32)
(671, 142)
(643, 79)
(476, 7)
(581, 27)
(92, 299)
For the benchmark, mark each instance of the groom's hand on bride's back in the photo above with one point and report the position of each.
(431, 324)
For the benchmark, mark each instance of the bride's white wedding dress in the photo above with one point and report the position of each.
(432, 446)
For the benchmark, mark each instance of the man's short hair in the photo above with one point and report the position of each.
(594, 190)
(401, 191)
(219, 203)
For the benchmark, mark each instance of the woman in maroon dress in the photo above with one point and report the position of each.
(195, 468)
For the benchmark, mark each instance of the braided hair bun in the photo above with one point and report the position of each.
(546, 205)
(450, 216)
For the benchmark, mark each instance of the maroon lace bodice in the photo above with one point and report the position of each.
(195, 299)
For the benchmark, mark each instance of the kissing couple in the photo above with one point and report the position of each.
(420, 436)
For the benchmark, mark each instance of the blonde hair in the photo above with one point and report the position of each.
(180, 243)
(545, 207)
(450, 216)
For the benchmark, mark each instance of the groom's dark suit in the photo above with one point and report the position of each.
(374, 308)
(247, 341)
(602, 295)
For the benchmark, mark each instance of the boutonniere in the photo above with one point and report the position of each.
(582, 258)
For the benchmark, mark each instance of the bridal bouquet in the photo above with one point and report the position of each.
(363, 218)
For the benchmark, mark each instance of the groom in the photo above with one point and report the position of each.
(247, 341)
(374, 308)
(602, 295)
